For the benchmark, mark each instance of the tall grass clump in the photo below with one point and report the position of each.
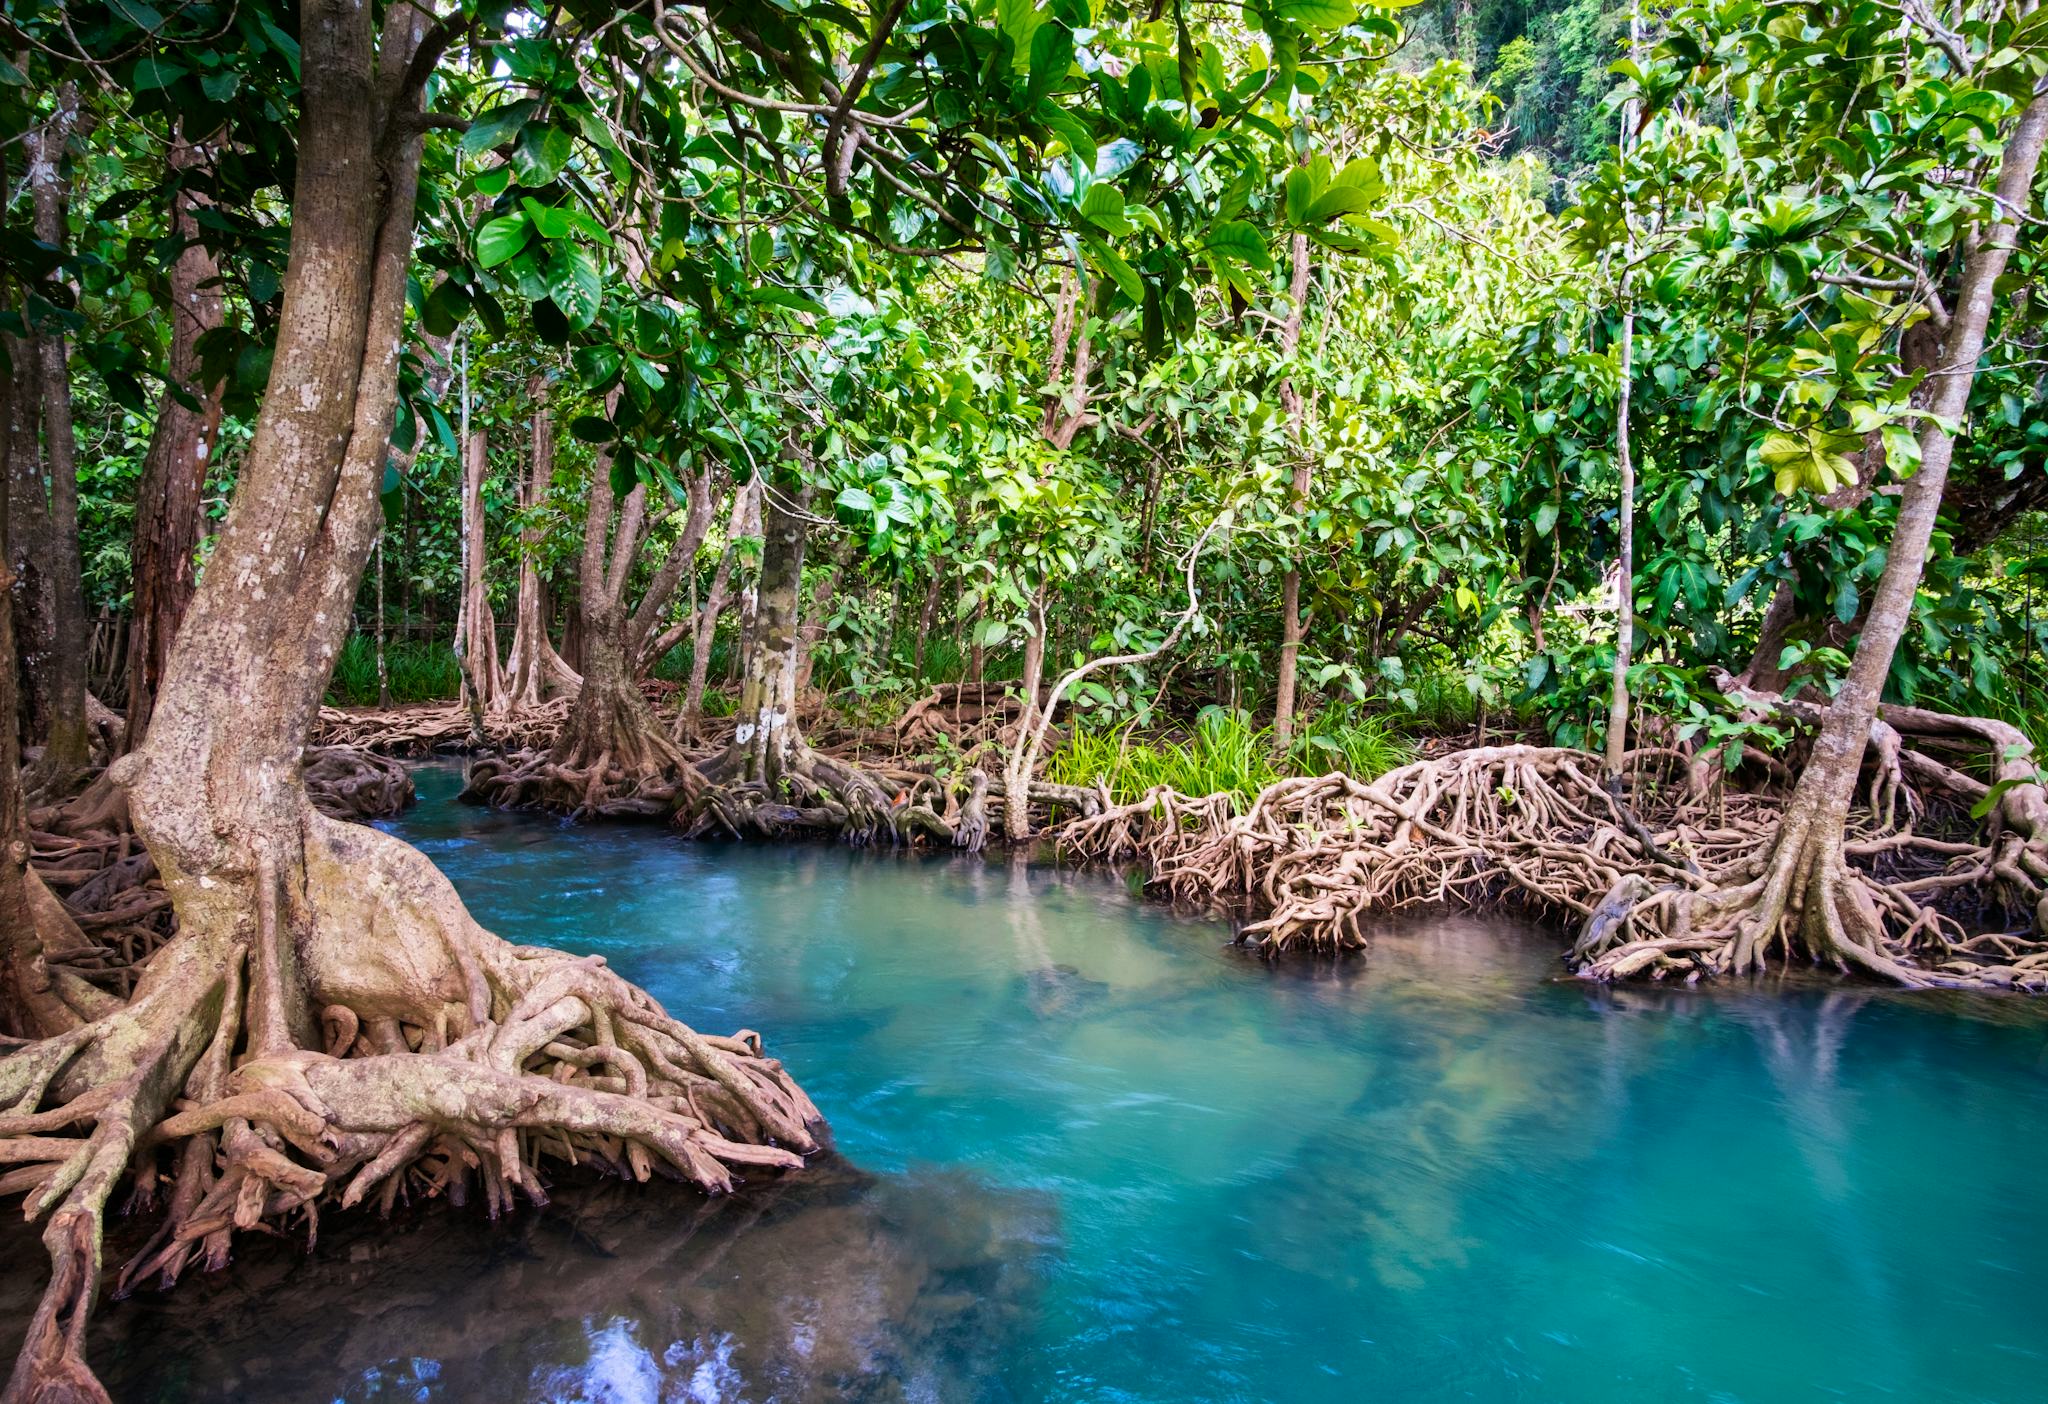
(1223, 755)
(1344, 736)
(420, 671)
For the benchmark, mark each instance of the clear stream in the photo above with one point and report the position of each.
(1086, 1151)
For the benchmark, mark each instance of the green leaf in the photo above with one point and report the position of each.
(552, 222)
(1103, 205)
(1240, 240)
(592, 429)
(1020, 19)
(625, 474)
(1301, 195)
(783, 297)
(575, 285)
(541, 154)
(1813, 459)
(152, 72)
(446, 306)
(1121, 272)
(1071, 130)
(596, 365)
(1361, 173)
(1337, 200)
(1324, 14)
(856, 500)
(498, 126)
(1052, 53)
(502, 238)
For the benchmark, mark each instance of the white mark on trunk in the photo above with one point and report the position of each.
(743, 733)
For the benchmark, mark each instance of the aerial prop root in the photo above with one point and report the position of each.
(864, 804)
(446, 1056)
(818, 794)
(1319, 855)
(1804, 902)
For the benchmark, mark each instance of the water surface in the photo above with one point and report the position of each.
(1087, 1151)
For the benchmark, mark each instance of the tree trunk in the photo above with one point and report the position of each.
(170, 503)
(642, 645)
(534, 669)
(744, 505)
(611, 757)
(476, 630)
(30, 540)
(1804, 896)
(1017, 789)
(1291, 630)
(928, 616)
(1625, 561)
(814, 625)
(383, 671)
(39, 997)
(768, 744)
(67, 745)
(1624, 460)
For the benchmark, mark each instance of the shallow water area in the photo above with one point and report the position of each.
(1086, 1150)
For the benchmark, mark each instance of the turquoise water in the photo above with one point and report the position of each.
(1092, 1153)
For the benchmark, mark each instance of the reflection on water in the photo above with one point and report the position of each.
(833, 1286)
(1103, 1156)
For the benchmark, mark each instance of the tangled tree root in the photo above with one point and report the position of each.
(441, 726)
(1321, 855)
(435, 1057)
(345, 783)
(901, 806)
(964, 714)
(600, 787)
(86, 852)
(1675, 881)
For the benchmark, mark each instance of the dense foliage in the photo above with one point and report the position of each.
(1042, 345)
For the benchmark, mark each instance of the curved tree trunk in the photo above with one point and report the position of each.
(169, 508)
(328, 1015)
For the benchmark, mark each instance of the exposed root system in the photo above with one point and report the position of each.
(965, 714)
(441, 726)
(345, 783)
(1676, 878)
(361, 1039)
(1321, 855)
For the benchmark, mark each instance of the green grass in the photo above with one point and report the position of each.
(420, 671)
(1343, 736)
(1222, 755)
(1226, 755)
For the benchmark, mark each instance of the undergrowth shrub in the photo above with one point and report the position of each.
(420, 671)
(1225, 754)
